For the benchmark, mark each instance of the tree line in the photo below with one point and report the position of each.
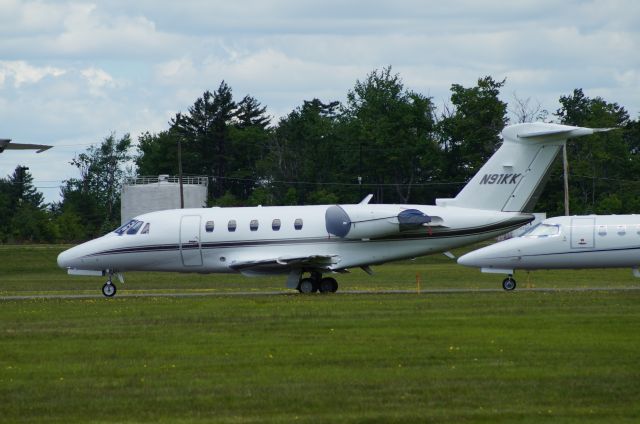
(385, 139)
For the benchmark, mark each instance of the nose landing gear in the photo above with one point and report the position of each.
(509, 283)
(109, 289)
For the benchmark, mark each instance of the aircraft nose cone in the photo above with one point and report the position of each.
(63, 259)
(69, 258)
(470, 259)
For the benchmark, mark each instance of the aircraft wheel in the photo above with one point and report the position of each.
(109, 289)
(328, 285)
(334, 287)
(307, 285)
(509, 284)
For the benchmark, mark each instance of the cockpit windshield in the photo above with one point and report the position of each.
(130, 227)
(543, 230)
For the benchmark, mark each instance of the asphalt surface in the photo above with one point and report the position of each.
(98, 295)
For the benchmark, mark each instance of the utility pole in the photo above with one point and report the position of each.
(180, 171)
(23, 170)
(565, 166)
(360, 172)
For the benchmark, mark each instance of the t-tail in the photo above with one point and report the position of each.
(513, 178)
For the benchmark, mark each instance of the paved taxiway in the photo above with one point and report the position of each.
(291, 293)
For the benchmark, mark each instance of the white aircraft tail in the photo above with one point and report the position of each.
(513, 178)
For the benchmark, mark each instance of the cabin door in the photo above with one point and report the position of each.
(190, 240)
(582, 230)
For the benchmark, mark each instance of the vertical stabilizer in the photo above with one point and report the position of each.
(512, 179)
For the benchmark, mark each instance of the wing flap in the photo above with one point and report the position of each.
(284, 263)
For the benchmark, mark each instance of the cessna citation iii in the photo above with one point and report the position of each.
(592, 241)
(314, 240)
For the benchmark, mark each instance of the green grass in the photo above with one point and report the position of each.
(487, 357)
(459, 357)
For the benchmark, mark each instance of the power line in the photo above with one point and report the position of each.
(620, 180)
(77, 144)
(267, 181)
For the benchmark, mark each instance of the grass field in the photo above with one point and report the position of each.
(458, 357)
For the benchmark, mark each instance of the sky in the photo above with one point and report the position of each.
(73, 72)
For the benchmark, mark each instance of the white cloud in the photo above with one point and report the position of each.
(18, 18)
(98, 80)
(80, 30)
(20, 72)
(176, 71)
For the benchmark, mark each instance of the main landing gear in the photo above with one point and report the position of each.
(316, 283)
(509, 283)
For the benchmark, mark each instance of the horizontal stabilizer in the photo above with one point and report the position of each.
(562, 131)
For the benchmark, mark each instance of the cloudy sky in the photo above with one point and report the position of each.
(71, 72)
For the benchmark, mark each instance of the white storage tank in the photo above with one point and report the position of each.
(147, 194)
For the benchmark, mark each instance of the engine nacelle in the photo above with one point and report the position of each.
(372, 221)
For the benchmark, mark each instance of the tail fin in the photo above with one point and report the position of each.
(513, 178)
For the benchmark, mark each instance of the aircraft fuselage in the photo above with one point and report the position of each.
(219, 240)
(569, 242)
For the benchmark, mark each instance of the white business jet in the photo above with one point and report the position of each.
(5, 144)
(565, 242)
(317, 240)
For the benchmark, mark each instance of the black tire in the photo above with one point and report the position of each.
(109, 289)
(307, 286)
(335, 286)
(328, 285)
(508, 284)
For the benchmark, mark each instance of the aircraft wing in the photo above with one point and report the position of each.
(5, 144)
(284, 263)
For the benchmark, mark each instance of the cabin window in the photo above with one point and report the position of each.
(232, 225)
(253, 225)
(134, 228)
(298, 224)
(208, 227)
(145, 230)
(622, 229)
(543, 230)
(275, 224)
(602, 230)
(638, 229)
